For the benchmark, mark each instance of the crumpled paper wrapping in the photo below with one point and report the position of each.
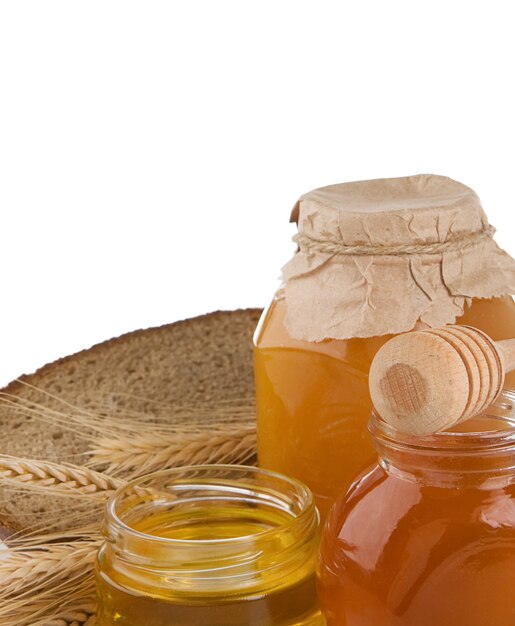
(340, 296)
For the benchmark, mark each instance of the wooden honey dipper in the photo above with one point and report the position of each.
(425, 381)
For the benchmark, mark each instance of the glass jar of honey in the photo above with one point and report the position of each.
(215, 545)
(427, 537)
(374, 258)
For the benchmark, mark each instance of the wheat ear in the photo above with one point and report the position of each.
(53, 601)
(82, 615)
(64, 479)
(22, 571)
(144, 453)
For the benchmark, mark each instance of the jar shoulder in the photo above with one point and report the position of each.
(383, 518)
(272, 335)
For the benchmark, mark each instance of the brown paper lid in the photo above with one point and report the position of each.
(376, 256)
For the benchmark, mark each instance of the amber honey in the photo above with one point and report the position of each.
(218, 545)
(427, 537)
(313, 403)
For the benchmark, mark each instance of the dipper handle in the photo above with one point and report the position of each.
(425, 381)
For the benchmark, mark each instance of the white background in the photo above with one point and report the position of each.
(150, 151)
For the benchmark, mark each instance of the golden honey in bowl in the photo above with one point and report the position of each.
(217, 545)
(427, 537)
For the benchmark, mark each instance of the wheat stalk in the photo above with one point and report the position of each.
(83, 614)
(71, 515)
(55, 600)
(108, 419)
(33, 540)
(143, 453)
(23, 571)
(41, 569)
(38, 574)
(88, 488)
(63, 479)
(81, 423)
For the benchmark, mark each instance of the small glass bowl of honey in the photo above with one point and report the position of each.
(222, 545)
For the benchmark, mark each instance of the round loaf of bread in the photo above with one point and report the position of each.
(204, 360)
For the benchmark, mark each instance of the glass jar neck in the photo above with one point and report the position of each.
(170, 532)
(479, 452)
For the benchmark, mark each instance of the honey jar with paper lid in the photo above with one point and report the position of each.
(374, 259)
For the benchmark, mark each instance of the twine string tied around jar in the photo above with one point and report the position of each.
(308, 244)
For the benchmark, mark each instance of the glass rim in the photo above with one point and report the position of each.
(502, 410)
(307, 512)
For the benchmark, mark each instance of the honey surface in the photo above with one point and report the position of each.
(401, 554)
(313, 403)
(170, 600)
